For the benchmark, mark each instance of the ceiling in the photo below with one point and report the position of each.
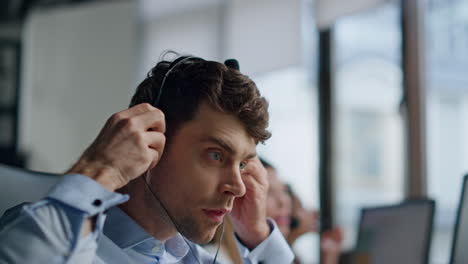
(156, 8)
(14, 11)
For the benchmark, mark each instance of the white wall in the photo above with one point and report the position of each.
(79, 67)
(264, 35)
(193, 32)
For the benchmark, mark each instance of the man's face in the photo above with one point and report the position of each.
(199, 174)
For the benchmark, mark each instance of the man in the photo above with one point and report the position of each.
(174, 171)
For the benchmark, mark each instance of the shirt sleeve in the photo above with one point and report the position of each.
(48, 231)
(273, 250)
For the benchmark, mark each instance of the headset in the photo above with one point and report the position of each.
(230, 63)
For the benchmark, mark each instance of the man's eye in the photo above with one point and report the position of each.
(215, 155)
(242, 165)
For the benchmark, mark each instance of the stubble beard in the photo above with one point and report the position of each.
(194, 231)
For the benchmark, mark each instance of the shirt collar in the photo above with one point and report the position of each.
(126, 234)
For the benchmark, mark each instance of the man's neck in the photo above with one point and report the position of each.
(146, 210)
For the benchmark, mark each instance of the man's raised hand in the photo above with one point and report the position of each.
(131, 142)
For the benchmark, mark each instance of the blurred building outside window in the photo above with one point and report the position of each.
(368, 151)
(446, 58)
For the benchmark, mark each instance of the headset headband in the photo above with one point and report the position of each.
(231, 63)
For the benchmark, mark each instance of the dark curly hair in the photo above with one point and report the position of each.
(194, 80)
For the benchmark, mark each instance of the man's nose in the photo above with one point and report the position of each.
(232, 183)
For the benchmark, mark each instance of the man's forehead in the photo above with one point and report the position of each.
(212, 125)
(220, 122)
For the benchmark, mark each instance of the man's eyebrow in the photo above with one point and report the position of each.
(251, 155)
(226, 146)
(222, 143)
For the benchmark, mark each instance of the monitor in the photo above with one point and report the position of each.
(395, 234)
(460, 235)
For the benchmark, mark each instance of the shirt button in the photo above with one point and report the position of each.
(97, 202)
(157, 249)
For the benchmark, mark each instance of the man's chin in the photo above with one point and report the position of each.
(202, 237)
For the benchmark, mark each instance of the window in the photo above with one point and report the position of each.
(368, 158)
(368, 151)
(447, 114)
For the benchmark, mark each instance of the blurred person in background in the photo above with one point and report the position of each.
(294, 220)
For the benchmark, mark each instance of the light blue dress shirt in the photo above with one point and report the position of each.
(48, 231)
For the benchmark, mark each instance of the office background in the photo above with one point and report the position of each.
(368, 99)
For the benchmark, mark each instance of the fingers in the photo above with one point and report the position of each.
(132, 140)
(148, 125)
(249, 181)
(142, 117)
(256, 170)
(252, 165)
(136, 110)
(155, 142)
(153, 120)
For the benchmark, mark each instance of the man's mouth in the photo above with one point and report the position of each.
(216, 215)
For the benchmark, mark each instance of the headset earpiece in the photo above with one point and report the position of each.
(232, 63)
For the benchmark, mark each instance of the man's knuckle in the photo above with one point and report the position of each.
(159, 113)
(129, 123)
(146, 106)
(115, 117)
(138, 138)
